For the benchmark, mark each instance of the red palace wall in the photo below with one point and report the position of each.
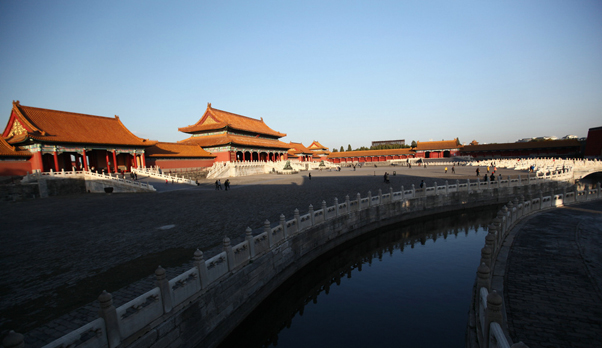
(593, 146)
(176, 163)
(11, 167)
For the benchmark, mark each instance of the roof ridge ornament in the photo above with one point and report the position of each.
(208, 105)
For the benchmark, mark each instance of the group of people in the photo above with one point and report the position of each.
(453, 169)
(218, 184)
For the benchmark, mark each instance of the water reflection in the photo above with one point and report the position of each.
(277, 312)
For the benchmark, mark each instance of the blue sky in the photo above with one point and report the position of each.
(340, 72)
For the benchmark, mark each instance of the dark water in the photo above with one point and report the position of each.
(405, 286)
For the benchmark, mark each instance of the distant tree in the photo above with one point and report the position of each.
(349, 147)
(414, 143)
(335, 150)
(458, 141)
(363, 148)
(342, 150)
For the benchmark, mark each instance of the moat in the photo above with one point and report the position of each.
(408, 284)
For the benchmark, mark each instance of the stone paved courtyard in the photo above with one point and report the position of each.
(59, 253)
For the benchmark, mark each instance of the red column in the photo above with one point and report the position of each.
(107, 158)
(56, 161)
(114, 162)
(143, 161)
(135, 161)
(36, 161)
(84, 159)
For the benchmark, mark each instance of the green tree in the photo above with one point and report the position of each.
(414, 143)
(349, 147)
(342, 150)
(335, 150)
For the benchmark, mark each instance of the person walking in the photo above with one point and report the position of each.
(309, 176)
(454, 169)
(227, 184)
(445, 170)
(478, 172)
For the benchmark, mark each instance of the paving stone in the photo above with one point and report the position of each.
(552, 295)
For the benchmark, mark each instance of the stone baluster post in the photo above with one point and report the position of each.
(564, 195)
(510, 212)
(298, 221)
(486, 256)
(494, 312)
(478, 184)
(468, 185)
(413, 191)
(493, 231)
(359, 201)
(13, 340)
(528, 179)
(347, 202)
(201, 266)
(540, 200)
(268, 230)
(599, 191)
(446, 188)
(283, 225)
(380, 196)
(229, 253)
(436, 189)
(369, 198)
(163, 285)
(390, 194)
(403, 193)
(336, 206)
(311, 214)
(483, 277)
(324, 209)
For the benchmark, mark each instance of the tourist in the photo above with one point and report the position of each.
(492, 177)
(421, 183)
(487, 169)
(309, 176)
(454, 169)
(445, 170)
(217, 184)
(227, 184)
(478, 172)
(136, 176)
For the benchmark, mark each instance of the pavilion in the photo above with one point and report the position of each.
(60, 140)
(233, 137)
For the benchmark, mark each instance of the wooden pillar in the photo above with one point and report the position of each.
(36, 161)
(107, 159)
(143, 160)
(56, 161)
(84, 159)
(114, 162)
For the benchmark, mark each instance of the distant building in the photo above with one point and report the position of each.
(389, 142)
(593, 146)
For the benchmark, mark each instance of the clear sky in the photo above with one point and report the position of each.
(340, 72)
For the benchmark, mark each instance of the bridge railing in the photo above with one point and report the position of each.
(487, 308)
(120, 323)
(163, 176)
(34, 176)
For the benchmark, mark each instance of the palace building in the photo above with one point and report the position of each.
(233, 137)
(319, 151)
(174, 155)
(60, 140)
(437, 149)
